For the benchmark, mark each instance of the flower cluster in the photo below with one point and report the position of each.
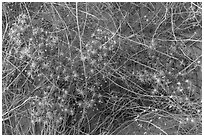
(146, 73)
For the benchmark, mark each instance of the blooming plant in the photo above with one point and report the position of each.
(85, 68)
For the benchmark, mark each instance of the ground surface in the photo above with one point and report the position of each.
(101, 68)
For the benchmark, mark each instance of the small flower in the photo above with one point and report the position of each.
(192, 120)
(89, 104)
(83, 58)
(186, 80)
(60, 118)
(80, 103)
(93, 62)
(33, 65)
(92, 71)
(65, 110)
(25, 52)
(71, 112)
(35, 31)
(75, 74)
(49, 115)
(178, 83)
(33, 121)
(93, 52)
